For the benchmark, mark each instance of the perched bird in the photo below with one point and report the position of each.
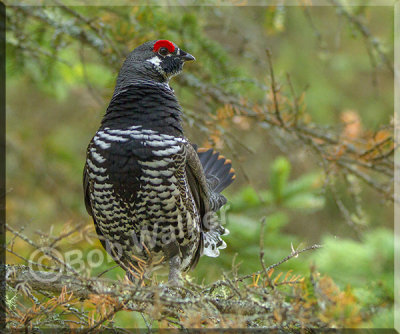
(152, 194)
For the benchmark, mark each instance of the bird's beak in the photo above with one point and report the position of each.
(187, 56)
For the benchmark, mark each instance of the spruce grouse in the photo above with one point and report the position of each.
(152, 194)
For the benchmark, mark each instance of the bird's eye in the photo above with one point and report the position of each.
(163, 51)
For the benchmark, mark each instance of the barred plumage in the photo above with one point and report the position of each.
(151, 193)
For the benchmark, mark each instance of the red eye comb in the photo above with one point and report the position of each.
(163, 43)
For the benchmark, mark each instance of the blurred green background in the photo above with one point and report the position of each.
(58, 89)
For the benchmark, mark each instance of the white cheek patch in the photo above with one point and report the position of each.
(155, 60)
(178, 52)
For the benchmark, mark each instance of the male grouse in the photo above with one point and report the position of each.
(152, 194)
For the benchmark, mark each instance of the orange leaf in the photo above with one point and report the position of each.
(277, 277)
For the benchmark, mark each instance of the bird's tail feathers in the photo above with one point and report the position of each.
(217, 169)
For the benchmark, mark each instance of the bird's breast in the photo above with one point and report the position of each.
(140, 189)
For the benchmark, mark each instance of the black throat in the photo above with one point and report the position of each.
(148, 104)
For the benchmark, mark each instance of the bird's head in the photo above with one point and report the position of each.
(157, 60)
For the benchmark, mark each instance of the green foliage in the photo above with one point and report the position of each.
(360, 261)
(300, 194)
(279, 177)
(247, 206)
(367, 267)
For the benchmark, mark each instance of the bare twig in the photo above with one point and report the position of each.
(274, 89)
(262, 229)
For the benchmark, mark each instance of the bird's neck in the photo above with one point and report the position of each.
(148, 104)
(133, 73)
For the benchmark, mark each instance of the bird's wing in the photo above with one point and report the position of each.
(198, 188)
(197, 181)
(208, 173)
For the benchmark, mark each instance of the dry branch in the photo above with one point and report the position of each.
(229, 298)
